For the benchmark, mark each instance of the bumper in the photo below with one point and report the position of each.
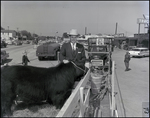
(133, 55)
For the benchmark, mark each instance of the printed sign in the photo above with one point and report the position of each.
(142, 21)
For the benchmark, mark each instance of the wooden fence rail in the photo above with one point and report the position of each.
(77, 94)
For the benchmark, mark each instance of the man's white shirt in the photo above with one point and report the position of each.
(73, 46)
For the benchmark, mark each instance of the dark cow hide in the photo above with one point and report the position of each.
(35, 84)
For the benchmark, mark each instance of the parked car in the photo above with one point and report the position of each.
(9, 42)
(131, 47)
(3, 44)
(17, 42)
(4, 56)
(26, 42)
(139, 52)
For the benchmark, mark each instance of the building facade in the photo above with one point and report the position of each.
(142, 39)
(7, 34)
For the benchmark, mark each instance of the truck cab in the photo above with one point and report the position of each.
(99, 52)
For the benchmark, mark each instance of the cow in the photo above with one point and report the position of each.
(35, 84)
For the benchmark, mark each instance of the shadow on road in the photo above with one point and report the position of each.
(141, 57)
(48, 59)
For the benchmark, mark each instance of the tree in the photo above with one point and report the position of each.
(24, 33)
(28, 34)
(35, 35)
(65, 35)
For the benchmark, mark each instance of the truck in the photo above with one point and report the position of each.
(99, 52)
(48, 50)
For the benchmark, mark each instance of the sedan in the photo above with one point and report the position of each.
(139, 52)
(17, 42)
(26, 42)
(9, 42)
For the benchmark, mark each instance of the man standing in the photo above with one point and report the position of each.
(25, 59)
(73, 51)
(126, 61)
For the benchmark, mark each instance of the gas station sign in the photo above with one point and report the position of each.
(142, 21)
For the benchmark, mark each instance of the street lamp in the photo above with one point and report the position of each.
(17, 32)
(8, 31)
(56, 36)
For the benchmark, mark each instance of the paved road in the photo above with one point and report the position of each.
(15, 56)
(133, 84)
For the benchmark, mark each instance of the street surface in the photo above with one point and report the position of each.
(15, 56)
(133, 87)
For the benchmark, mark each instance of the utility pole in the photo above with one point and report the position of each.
(56, 37)
(85, 30)
(8, 32)
(116, 29)
(138, 35)
(17, 33)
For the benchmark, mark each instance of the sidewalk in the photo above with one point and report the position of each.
(132, 87)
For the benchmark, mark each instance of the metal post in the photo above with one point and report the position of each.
(8, 31)
(116, 29)
(56, 36)
(17, 34)
(112, 82)
(138, 35)
(85, 30)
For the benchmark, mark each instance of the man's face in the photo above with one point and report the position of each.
(73, 39)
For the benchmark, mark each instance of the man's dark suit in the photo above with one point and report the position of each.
(79, 58)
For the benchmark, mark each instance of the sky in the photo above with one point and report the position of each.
(53, 18)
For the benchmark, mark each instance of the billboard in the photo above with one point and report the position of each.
(142, 21)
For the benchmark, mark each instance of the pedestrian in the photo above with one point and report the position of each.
(126, 61)
(25, 59)
(73, 51)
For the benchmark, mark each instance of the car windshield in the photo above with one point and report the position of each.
(135, 49)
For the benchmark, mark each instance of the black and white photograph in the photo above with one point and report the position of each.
(75, 59)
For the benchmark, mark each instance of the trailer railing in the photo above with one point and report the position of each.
(80, 95)
(113, 106)
(77, 96)
(116, 103)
